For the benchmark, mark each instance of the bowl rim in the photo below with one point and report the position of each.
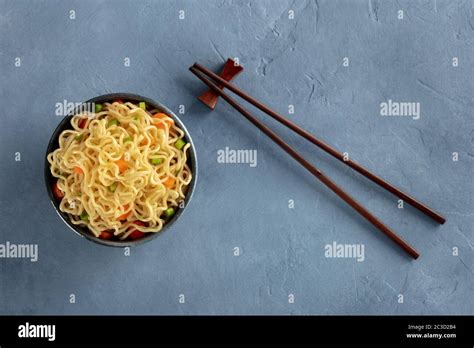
(65, 124)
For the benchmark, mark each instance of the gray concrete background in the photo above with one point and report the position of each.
(286, 61)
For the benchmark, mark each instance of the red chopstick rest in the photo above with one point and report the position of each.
(229, 71)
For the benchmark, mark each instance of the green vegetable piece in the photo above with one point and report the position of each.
(156, 160)
(127, 139)
(113, 122)
(78, 137)
(98, 108)
(84, 216)
(179, 144)
(113, 187)
(169, 213)
(142, 105)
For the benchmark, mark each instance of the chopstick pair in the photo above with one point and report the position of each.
(215, 83)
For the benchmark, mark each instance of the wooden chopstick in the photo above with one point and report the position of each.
(310, 137)
(312, 169)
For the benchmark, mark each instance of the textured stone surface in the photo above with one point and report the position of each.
(297, 62)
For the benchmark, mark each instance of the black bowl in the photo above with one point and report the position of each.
(66, 124)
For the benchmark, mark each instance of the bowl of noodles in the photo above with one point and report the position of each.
(120, 169)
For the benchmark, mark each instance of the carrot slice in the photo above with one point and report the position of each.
(169, 182)
(58, 194)
(166, 118)
(161, 126)
(122, 164)
(124, 216)
(144, 141)
(161, 115)
(78, 170)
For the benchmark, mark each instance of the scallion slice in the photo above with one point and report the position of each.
(84, 216)
(113, 187)
(113, 122)
(179, 144)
